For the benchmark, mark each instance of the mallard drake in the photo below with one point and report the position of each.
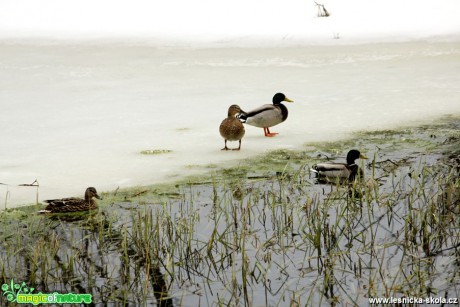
(268, 115)
(231, 128)
(73, 204)
(340, 171)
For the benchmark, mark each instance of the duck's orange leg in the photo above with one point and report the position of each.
(268, 133)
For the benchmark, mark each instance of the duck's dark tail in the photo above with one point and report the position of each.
(243, 116)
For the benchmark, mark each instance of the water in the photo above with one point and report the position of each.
(77, 114)
(279, 235)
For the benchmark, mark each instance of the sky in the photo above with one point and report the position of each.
(229, 22)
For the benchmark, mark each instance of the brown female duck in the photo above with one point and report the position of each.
(231, 128)
(73, 204)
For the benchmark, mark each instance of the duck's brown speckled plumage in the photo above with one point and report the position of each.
(231, 128)
(73, 204)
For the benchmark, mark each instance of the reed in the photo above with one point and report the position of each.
(262, 233)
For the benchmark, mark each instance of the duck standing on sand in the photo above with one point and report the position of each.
(72, 204)
(231, 128)
(268, 115)
(340, 171)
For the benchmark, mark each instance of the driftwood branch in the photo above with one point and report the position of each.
(33, 184)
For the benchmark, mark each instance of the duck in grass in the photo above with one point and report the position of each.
(72, 204)
(268, 115)
(340, 171)
(231, 128)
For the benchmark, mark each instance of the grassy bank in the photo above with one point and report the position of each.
(262, 233)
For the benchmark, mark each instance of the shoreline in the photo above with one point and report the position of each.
(206, 172)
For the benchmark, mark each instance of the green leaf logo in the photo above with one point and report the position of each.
(12, 290)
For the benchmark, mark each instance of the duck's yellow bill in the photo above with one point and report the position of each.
(288, 100)
(361, 156)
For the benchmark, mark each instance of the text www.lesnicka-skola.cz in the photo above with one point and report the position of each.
(412, 300)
